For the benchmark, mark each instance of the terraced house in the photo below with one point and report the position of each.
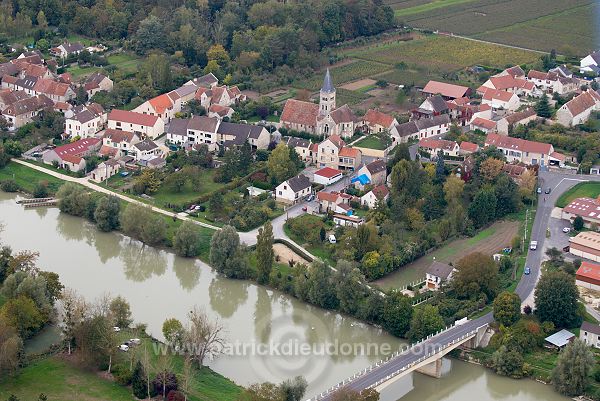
(524, 151)
(334, 153)
(23, 111)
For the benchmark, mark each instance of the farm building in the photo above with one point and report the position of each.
(586, 245)
(588, 276)
(587, 208)
(559, 339)
(447, 91)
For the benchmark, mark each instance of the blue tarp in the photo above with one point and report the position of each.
(363, 179)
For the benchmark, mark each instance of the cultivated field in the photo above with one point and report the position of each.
(348, 72)
(570, 24)
(357, 85)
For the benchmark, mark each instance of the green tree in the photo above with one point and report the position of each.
(187, 240)
(22, 314)
(397, 313)
(508, 362)
(293, 389)
(173, 331)
(139, 382)
(543, 108)
(349, 286)
(320, 288)
(121, 312)
(425, 320)
(215, 203)
(279, 165)
(40, 190)
(107, 213)
(573, 368)
(507, 308)
(477, 274)
(245, 158)
(483, 208)
(154, 230)
(556, 299)
(223, 246)
(264, 253)
(578, 223)
(73, 199)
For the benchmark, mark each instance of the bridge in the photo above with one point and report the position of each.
(424, 357)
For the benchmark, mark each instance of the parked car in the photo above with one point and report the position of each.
(135, 341)
(310, 198)
(539, 190)
(116, 329)
(547, 191)
(123, 347)
(533, 245)
(566, 230)
(304, 209)
(507, 250)
(527, 270)
(566, 248)
(332, 239)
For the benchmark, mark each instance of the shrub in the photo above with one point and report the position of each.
(9, 186)
(40, 190)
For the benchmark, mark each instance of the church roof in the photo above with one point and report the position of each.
(327, 83)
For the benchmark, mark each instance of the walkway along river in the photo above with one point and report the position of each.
(159, 285)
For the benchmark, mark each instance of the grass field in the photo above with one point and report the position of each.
(124, 62)
(345, 73)
(28, 178)
(345, 96)
(581, 190)
(371, 142)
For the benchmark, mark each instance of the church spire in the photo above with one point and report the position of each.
(327, 84)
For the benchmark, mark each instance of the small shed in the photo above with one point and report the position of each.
(559, 339)
(327, 176)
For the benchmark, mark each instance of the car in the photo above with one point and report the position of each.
(566, 248)
(332, 239)
(566, 230)
(539, 190)
(533, 245)
(527, 270)
(198, 207)
(507, 250)
(124, 347)
(310, 198)
(304, 209)
(135, 341)
(116, 329)
(547, 191)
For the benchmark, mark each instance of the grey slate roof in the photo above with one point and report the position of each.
(146, 145)
(203, 123)
(561, 338)
(438, 103)
(327, 83)
(590, 328)
(299, 182)
(294, 142)
(244, 131)
(178, 126)
(28, 82)
(376, 166)
(440, 270)
(412, 127)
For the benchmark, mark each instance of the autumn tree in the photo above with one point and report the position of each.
(264, 253)
(490, 168)
(507, 308)
(453, 190)
(173, 331)
(12, 348)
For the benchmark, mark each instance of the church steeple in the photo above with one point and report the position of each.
(327, 95)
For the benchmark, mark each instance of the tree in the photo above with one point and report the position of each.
(245, 158)
(73, 310)
(573, 368)
(107, 213)
(73, 199)
(203, 335)
(508, 362)
(186, 241)
(138, 381)
(293, 389)
(223, 246)
(279, 165)
(507, 308)
(397, 313)
(40, 190)
(165, 380)
(483, 208)
(121, 312)
(578, 223)
(141, 223)
(543, 108)
(346, 394)
(453, 189)
(147, 182)
(477, 274)
(154, 230)
(401, 152)
(264, 253)
(508, 199)
(556, 299)
(320, 290)
(12, 348)
(22, 314)
(349, 286)
(425, 320)
(215, 203)
(173, 331)
(490, 168)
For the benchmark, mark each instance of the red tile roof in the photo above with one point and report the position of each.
(432, 143)
(588, 271)
(583, 102)
(76, 148)
(50, 87)
(376, 117)
(72, 159)
(161, 103)
(328, 196)
(299, 112)
(483, 123)
(501, 95)
(337, 141)
(381, 191)
(118, 136)
(328, 172)
(132, 117)
(445, 89)
(469, 146)
(522, 145)
(349, 152)
(584, 207)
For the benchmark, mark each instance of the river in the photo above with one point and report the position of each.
(267, 330)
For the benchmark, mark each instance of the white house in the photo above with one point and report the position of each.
(105, 170)
(117, 143)
(327, 176)
(422, 128)
(438, 273)
(145, 150)
(140, 124)
(590, 63)
(501, 100)
(378, 194)
(85, 121)
(434, 146)
(578, 110)
(293, 190)
(348, 221)
(590, 334)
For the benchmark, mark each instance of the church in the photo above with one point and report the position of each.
(323, 119)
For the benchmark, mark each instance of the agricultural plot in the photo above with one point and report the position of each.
(345, 73)
(351, 98)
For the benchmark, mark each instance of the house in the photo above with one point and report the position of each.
(590, 63)
(447, 91)
(293, 190)
(145, 150)
(589, 333)
(85, 120)
(433, 146)
(437, 274)
(321, 119)
(105, 170)
(118, 143)
(347, 221)
(57, 91)
(432, 106)
(220, 112)
(466, 148)
(507, 123)
(379, 193)
(375, 172)
(206, 81)
(66, 49)
(27, 69)
(20, 84)
(508, 83)
(484, 125)
(23, 111)
(231, 134)
(559, 339)
(8, 69)
(9, 96)
(553, 82)
(97, 82)
(327, 176)
(160, 106)
(334, 153)
(420, 129)
(375, 121)
(588, 276)
(524, 151)
(563, 71)
(578, 110)
(586, 245)
(501, 100)
(515, 72)
(70, 156)
(461, 110)
(587, 208)
(514, 171)
(332, 201)
(303, 147)
(141, 124)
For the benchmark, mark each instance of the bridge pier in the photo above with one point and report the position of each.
(433, 369)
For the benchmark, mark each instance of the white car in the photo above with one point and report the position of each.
(135, 341)
(533, 245)
(116, 329)
(332, 239)
(123, 348)
(566, 230)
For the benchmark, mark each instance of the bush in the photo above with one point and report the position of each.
(9, 186)
(40, 190)
(122, 375)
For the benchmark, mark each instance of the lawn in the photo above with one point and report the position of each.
(60, 380)
(125, 62)
(27, 178)
(188, 194)
(323, 251)
(581, 190)
(370, 142)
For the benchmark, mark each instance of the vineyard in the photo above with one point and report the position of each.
(345, 73)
